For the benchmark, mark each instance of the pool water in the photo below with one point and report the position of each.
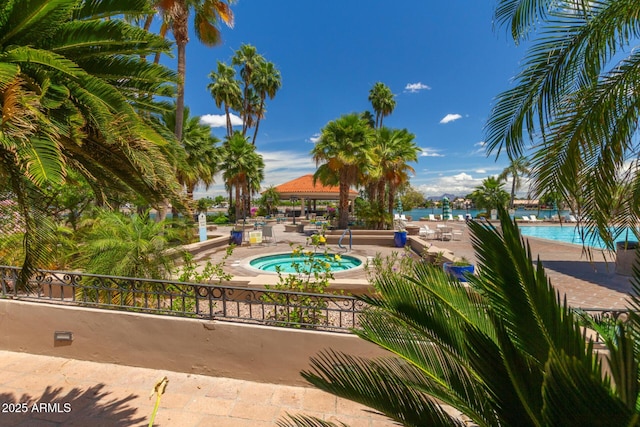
(285, 262)
(566, 234)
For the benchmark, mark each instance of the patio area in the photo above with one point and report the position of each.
(106, 394)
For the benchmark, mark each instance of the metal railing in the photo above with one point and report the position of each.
(325, 312)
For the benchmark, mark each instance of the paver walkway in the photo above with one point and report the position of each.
(89, 394)
(113, 395)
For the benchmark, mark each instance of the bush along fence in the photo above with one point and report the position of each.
(270, 307)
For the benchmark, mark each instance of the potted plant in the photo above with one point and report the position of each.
(236, 236)
(459, 268)
(400, 238)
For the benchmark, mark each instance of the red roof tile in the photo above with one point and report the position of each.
(304, 185)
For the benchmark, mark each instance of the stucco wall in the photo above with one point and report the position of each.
(222, 349)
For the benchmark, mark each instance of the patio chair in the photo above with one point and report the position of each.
(255, 237)
(456, 233)
(426, 232)
(269, 235)
(446, 233)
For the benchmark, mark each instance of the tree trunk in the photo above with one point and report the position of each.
(228, 115)
(255, 133)
(513, 192)
(343, 219)
(181, 34)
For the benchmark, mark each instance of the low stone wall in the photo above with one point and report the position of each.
(198, 247)
(220, 349)
(423, 247)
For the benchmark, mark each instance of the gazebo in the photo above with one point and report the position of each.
(303, 189)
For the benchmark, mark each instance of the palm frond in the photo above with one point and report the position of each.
(37, 19)
(377, 385)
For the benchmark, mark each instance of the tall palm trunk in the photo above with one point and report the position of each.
(228, 115)
(343, 219)
(513, 192)
(255, 132)
(181, 34)
(380, 202)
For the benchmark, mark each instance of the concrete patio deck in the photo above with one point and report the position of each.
(114, 395)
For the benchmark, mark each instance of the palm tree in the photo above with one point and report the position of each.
(382, 102)
(248, 59)
(225, 90)
(128, 246)
(266, 81)
(344, 149)
(516, 169)
(503, 351)
(577, 98)
(207, 15)
(201, 153)
(394, 149)
(270, 199)
(490, 195)
(70, 100)
(243, 168)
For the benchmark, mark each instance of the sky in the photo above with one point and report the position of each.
(445, 62)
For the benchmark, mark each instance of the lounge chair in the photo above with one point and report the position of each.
(534, 219)
(526, 218)
(432, 217)
(460, 218)
(572, 218)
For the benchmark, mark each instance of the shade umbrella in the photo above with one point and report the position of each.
(446, 209)
(399, 206)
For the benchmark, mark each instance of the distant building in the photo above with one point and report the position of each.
(526, 203)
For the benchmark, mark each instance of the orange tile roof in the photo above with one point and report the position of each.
(304, 184)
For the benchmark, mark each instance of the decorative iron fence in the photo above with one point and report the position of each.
(325, 312)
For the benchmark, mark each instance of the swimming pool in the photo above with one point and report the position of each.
(285, 262)
(566, 234)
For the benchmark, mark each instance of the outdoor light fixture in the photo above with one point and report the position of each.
(63, 336)
(293, 210)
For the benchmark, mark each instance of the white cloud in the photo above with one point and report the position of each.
(219, 120)
(480, 144)
(460, 184)
(450, 118)
(481, 171)
(314, 138)
(430, 152)
(416, 87)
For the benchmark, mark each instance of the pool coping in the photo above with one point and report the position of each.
(246, 263)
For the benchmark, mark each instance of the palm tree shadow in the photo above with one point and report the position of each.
(597, 272)
(77, 407)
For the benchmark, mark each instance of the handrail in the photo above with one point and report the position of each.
(350, 240)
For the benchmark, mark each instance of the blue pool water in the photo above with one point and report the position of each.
(567, 234)
(285, 261)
